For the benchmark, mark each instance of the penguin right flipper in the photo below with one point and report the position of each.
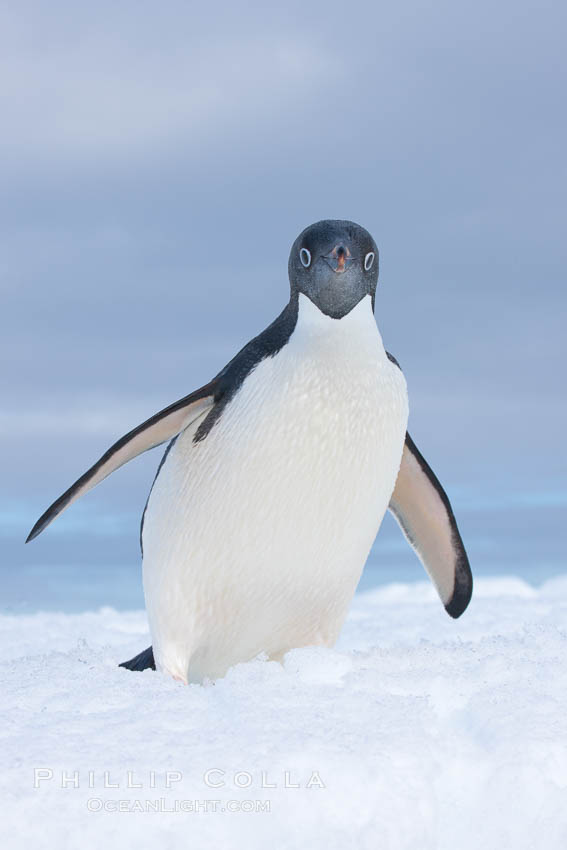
(143, 661)
(151, 433)
(424, 514)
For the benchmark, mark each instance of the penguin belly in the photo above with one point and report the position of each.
(255, 537)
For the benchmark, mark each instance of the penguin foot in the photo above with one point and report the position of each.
(143, 661)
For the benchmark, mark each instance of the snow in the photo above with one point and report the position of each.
(416, 731)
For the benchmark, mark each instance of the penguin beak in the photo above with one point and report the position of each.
(338, 259)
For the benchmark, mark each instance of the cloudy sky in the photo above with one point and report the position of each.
(158, 160)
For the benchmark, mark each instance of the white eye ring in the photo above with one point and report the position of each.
(305, 257)
(368, 260)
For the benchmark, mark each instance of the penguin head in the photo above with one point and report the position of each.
(335, 264)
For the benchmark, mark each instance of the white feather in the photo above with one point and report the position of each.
(256, 536)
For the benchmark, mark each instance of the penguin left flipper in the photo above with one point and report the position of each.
(153, 432)
(424, 513)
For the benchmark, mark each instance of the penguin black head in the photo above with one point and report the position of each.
(335, 264)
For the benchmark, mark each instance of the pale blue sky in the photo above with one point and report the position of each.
(158, 160)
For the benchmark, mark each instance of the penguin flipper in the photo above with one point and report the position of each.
(151, 433)
(424, 513)
(143, 661)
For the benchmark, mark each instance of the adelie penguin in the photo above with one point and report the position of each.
(277, 476)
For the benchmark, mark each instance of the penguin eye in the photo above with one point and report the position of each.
(305, 257)
(368, 261)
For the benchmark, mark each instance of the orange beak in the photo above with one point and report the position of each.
(337, 258)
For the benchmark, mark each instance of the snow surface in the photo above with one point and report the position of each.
(426, 732)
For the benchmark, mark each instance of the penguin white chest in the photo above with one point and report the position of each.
(255, 537)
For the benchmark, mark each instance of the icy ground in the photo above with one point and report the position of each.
(425, 732)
